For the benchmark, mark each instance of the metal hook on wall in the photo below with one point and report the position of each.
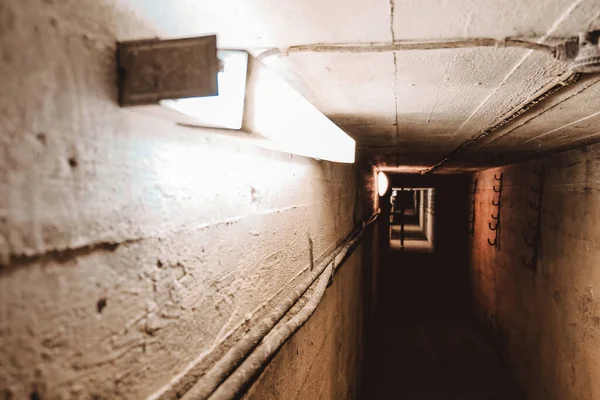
(498, 179)
(496, 202)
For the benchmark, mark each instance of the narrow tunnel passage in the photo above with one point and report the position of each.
(425, 343)
(189, 206)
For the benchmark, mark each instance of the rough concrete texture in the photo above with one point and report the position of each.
(545, 318)
(323, 360)
(133, 249)
(408, 107)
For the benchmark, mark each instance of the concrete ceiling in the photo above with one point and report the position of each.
(413, 107)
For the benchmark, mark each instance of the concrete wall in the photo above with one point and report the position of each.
(429, 214)
(132, 249)
(421, 209)
(544, 317)
(324, 359)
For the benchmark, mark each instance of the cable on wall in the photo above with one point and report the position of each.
(556, 85)
(380, 47)
(233, 372)
(237, 381)
(581, 53)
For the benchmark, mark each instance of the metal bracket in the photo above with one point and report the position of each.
(151, 70)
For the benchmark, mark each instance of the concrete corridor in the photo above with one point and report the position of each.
(194, 200)
(424, 345)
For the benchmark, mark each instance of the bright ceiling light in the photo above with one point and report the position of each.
(382, 183)
(245, 100)
(288, 122)
(225, 110)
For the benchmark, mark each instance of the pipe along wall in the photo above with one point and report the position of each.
(134, 253)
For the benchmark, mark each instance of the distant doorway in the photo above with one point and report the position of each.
(411, 219)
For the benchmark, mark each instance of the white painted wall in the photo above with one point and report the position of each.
(131, 248)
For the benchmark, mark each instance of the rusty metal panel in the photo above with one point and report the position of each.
(152, 70)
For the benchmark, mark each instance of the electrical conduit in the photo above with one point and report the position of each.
(231, 374)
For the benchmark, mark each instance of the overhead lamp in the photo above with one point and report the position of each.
(226, 109)
(229, 91)
(382, 183)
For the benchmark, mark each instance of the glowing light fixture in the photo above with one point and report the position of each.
(382, 183)
(228, 90)
(226, 110)
(282, 119)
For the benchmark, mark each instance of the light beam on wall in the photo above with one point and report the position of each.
(246, 100)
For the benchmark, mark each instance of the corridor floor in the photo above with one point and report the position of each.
(424, 347)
